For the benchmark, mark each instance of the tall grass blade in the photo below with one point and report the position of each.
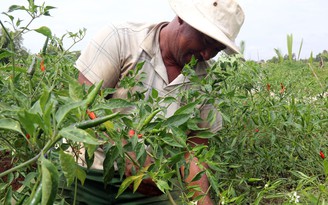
(279, 55)
(311, 58)
(299, 50)
(290, 46)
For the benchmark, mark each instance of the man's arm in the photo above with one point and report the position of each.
(194, 169)
(83, 80)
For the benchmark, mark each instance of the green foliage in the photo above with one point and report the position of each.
(276, 127)
(268, 151)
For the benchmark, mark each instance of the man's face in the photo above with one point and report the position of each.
(191, 42)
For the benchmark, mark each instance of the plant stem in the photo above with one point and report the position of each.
(45, 149)
(170, 198)
(75, 191)
(20, 166)
(133, 161)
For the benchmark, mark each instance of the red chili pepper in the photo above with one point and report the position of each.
(28, 136)
(92, 115)
(322, 155)
(43, 68)
(131, 133)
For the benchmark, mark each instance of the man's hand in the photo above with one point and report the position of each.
(194, 169)
(203, 183)
(147, 186)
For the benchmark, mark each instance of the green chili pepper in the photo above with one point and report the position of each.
(155, 131)
(93, 94)
(93, 123)
(148, 119)
(36, 198)
(45, 45)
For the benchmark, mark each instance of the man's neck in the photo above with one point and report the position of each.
(165, 42)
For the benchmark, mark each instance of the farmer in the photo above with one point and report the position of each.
(201, 28)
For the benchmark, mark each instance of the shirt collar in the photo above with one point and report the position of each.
(151, 42)
(151, 46)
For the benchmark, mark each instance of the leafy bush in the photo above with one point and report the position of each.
(270, 150)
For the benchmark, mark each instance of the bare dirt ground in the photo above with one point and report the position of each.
(5, 164)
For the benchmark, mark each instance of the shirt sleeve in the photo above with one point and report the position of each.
(100, 60)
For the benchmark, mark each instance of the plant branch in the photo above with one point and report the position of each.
(133, 161)
(45, 149)
(170, 198)
(20, 166)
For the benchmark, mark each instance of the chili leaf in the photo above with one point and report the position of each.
(125, 184)
(44, 31)
(114, 103)
(80, 174)
(111, 156)
(176, 120)
(198, 176)
(65, 109)
(137, 182)
(8, 196)
(163, 185)
(172, 142)
(213, 181)
(49, 182)
(68, 166)
(10, 124)
(187, 109)
(78, 135)
(75, 89)
(30, 121)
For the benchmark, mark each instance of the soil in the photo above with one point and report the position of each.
(5, 164)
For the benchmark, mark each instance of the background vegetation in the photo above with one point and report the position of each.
(271, 149)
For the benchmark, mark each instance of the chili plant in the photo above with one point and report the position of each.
(271, 148)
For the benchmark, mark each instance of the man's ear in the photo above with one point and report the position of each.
(180, 20)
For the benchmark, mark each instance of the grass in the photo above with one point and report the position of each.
(297, 76)
(269, 147)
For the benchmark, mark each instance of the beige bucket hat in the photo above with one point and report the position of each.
(219, 19)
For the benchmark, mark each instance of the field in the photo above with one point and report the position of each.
(271, 150)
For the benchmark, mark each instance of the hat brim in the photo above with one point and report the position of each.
(190, 14)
